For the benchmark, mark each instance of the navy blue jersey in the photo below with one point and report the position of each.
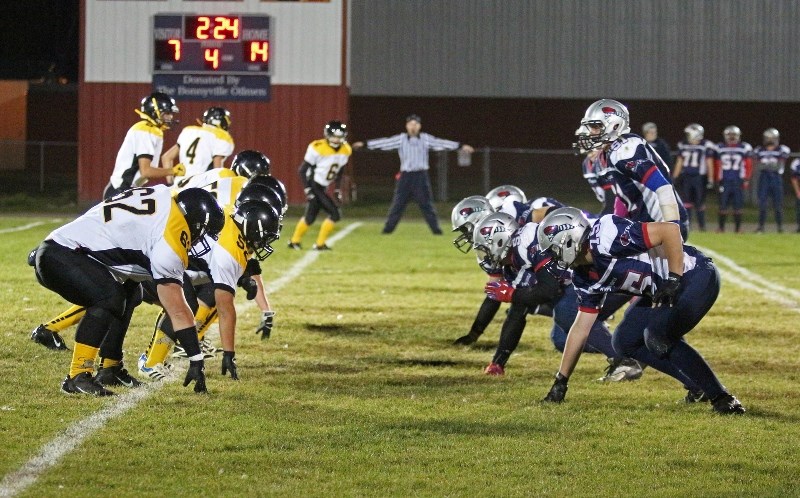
(771, 161)
(733, 160)
(638, 172)
(795, 169)
(596, 172)
(624, 261)
(694, 157)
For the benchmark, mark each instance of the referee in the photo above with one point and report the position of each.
(412, 181)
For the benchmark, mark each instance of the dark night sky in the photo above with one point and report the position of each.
(36, 34)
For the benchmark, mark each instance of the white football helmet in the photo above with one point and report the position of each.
(562, 233)
(610, 116)
(732, 134)
(694, 133)
(772, 136)
(498, 195)
(491, 239)
(466, 214)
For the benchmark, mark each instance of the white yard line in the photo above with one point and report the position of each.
(50, 454)
(28, 226)
(747, 279)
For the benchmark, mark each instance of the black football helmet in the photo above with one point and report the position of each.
(217, 116)
(335, 133)
(274, 184)
(160, 109)
(261, 193)
(250, 163)
(260, 225)
(202, 213)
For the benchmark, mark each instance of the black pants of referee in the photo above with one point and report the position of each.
(412, 185)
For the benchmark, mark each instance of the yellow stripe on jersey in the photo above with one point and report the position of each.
(176, 233)
(221, 134)
(148, 127)
(231, 239)
(324, 149)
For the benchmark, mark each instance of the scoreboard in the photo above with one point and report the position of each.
(227, 44)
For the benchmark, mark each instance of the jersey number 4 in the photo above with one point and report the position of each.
(148, 206)
(191, 152)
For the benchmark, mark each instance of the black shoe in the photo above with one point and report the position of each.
(727, 404)
(294, 246)
(83, 383)
(695, 397)
(47, 338)
(323, 247)
(465, 340)
(116, 376)
(620, 369)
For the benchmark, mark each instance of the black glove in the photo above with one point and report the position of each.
(265, 327)
(309, 194)
(667, 292)
(249, 285)
(253, 267)
(229, 363)
(559, 389)
(195, 373)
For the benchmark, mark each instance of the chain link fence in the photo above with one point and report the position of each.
(38, 167)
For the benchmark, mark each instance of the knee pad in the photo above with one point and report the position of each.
(32, 257)
(657, 343)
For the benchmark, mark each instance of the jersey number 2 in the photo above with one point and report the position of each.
(148, 206)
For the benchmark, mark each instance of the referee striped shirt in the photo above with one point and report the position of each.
(413, 150)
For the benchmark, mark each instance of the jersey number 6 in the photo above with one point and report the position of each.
(148, 206)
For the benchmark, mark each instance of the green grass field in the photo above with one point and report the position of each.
(359, 392)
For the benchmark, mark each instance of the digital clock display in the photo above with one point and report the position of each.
(211, 43)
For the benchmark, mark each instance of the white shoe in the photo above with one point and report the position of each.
(159, 371)
(620, 370)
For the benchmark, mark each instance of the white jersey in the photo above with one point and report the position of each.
(142, 140)
(326, 162)
(139, 234)
(199, 144)
(203, 179)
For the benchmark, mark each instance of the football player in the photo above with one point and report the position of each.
(795, 178)
(733, 163)
(678, 283)
(204, 147)
(642, 179)
(498, 195)
(692, 167)
(771, 160)
(323, 164)
(596, 172)
(99, 260)
(526, 277)
(137, 159)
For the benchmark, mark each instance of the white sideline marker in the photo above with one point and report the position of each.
(28, 226)
(49, 454)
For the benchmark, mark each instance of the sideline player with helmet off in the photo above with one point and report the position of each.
(323, 164)
(204, 147)
(693, 167)
(99, 260)
(137, 159)
(642, 179)
(733, 165)
(678, 283)
(771, 160)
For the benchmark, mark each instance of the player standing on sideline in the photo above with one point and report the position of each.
(137, 159)
(140, 234)
(412, 180)
(733, 165)
(795, 178)
(694, 170)
(323, 164)
(650, 133)
(204, 147)
(771, 161)
(648, 259)
(642, 179)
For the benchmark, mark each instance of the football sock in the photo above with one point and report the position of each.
(511, 333)
(299, 231)
(203, 327)
(694, 366)
(108, 362)
(83, 357)
(737, 221)
(325, 231)
(701, 218)
(200, 318)
(485, 315)
(66, 319)
(160, 346)
(722, 221)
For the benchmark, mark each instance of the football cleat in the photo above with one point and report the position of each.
(695, 397)
(208, 350)
(727, 404)
(116, 376)
(47, 338)
(323, 247)
(621, 369)
(159, 371)
(494, 369)
(84, 383)
(295, 245)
